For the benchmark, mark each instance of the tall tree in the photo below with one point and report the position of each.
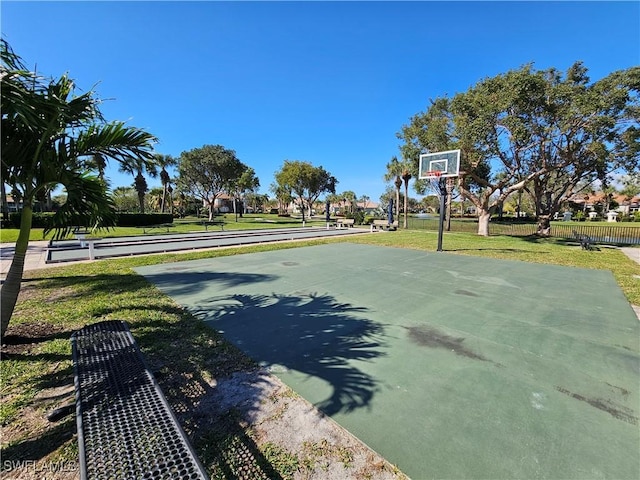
(306, 181)
(136, 167)
(393, 174)
(164, 161)
(247, 183)
(364, 199)
(349, 197)
(283, 196)
(46, 134)
(585, 132)
(209, 171)
(531, 127)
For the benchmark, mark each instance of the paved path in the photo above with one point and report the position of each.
(632, 253)
(36, 256)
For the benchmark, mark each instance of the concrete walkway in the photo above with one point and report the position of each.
(632, 253)
(36, 256)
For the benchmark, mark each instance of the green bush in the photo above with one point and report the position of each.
(39, 219)
(42, 219)
(357, 216)
(143, 219)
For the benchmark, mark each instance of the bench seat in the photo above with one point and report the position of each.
(126, 428)
(384, 224)
(345, 222)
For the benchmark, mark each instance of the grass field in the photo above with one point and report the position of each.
(37, 372)
(250, 221)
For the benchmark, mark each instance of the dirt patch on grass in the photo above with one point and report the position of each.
(21, 338)
(294, 437)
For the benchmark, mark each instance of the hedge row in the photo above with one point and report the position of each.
(42, 220)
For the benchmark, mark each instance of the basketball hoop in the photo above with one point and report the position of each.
(435, 167)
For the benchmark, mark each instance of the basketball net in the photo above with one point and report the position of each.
(434, 180)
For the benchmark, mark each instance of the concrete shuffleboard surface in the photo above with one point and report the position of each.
(449, 366)
(72, 250)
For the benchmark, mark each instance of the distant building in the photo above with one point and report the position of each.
(597, 201)
(12, 206)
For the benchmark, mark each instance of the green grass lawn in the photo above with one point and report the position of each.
(36, 367)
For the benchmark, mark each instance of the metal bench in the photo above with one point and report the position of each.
(213, 223)
(126, 428)
(161, 226)
(585, 240)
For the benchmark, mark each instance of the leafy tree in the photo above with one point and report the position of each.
(256, 200)
(333, 199)
(584, 132)
(630, 186)
(283, 196)
(349, 197)
(125, 199)
(247, 183)
(46, 134)
(387, 196)
(209, 171)
(305, 181)
(534, 129)
(364, 199)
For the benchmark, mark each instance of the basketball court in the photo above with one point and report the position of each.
(449, 366)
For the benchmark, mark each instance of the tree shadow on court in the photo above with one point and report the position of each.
(310, 333)
(191, 282)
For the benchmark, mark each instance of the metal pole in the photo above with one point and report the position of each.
(443, 202)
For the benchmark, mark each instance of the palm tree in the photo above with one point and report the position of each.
(136, 166)
(164, 161)
(394, 170)
(46, 134)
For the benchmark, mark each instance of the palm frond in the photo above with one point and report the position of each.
(88, 205)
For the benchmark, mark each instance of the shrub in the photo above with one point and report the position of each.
(143, 219)
(39, 219)
(357, 216)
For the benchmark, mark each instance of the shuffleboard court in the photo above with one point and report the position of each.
(449, 366)
(74, 250)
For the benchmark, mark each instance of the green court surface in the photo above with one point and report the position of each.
(449, 366)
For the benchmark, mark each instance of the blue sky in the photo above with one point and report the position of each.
(326, 82)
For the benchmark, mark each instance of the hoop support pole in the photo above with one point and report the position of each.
(443, 203)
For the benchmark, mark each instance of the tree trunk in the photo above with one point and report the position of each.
(544, 226)
(483, 222)
(5, 206)
(406, 188)
(11, 286)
